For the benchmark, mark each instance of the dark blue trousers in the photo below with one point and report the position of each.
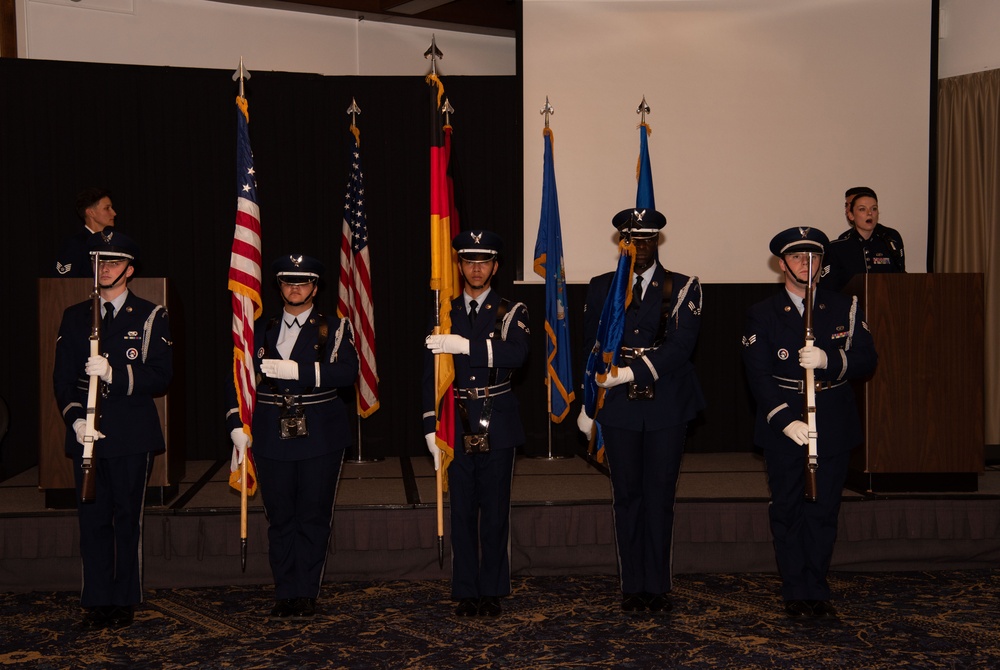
(479, 495)
(644, 466)
(111, 530)
(804, 532)
(298, 497)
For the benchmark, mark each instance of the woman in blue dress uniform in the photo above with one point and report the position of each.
(300, 430)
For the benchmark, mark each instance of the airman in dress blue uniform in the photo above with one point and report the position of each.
(646, 409)
(775, 356)
(93, 206)
(489, 340)
(300, 431)
(135, 366)
(866, 247)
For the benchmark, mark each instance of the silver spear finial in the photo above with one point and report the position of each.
(548, 110)
(241, 74)
(434, 54)
(353, 110)
(447, 110)
(643, 110)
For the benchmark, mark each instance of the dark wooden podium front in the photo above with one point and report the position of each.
(923, 408)
(55, 469)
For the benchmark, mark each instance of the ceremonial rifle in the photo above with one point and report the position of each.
(809, 391)
(88, 490)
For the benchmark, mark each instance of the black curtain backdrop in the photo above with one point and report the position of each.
(163, 140)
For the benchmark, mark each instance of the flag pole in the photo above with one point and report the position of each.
(350, 305)
(242, 75)
(434, 54)
(243, 515)
(547, 111)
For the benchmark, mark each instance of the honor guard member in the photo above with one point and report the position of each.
(489, 340)
(93, 206)
(135, 365)
(300, 430)
(775, 357)
(866, 247)
(647, 408)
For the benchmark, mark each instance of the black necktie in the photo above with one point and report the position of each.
(637, 292)
(472, 311)
(109, 315)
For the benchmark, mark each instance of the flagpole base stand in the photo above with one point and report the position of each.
(365, 459)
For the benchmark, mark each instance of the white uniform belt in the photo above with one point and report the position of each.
(317, 398)
(483, 392)
(635, 352)
(800, 385)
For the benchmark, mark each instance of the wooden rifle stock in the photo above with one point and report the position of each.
(809, 393)
(88, 489)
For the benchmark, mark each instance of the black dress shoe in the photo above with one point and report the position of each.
(467, 607)
(305, 608)
(633, 602)
(490, 606)
(283, 610)
(658, 603)
(94, 618)
(798, 608)
(121, 616)
(822, 608)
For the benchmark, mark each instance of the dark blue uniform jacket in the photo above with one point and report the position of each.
(677, 393)
(139, 349)
(774, 333)
(507, 352)
(321, 374)
(850, 254)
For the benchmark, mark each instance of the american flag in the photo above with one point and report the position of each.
(244, 282)
(355, 289)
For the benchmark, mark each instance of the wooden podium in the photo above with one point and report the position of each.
(923, 409)
(55, 469)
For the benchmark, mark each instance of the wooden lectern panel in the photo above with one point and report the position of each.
(55, 470)
(923, 408)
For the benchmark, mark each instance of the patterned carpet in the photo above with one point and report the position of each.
(887, 620)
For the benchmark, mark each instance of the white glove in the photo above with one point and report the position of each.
(584, 423)
(432, 447)
(240, 442)
(80, 428)
(812, 357)
(798, 432)
(624, 376)
(448, 344)
(98, 366)
(277, 368)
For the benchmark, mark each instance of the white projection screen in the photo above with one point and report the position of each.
(763, 113)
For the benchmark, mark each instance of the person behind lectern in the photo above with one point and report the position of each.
(489, 341)
(135, 365)
(300, 431)
(93, 206)
(647, 408)
(866, 247)
(775, 355)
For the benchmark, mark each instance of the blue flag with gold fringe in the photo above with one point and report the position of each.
(549, 264)
(643, 172)
(603, 358)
